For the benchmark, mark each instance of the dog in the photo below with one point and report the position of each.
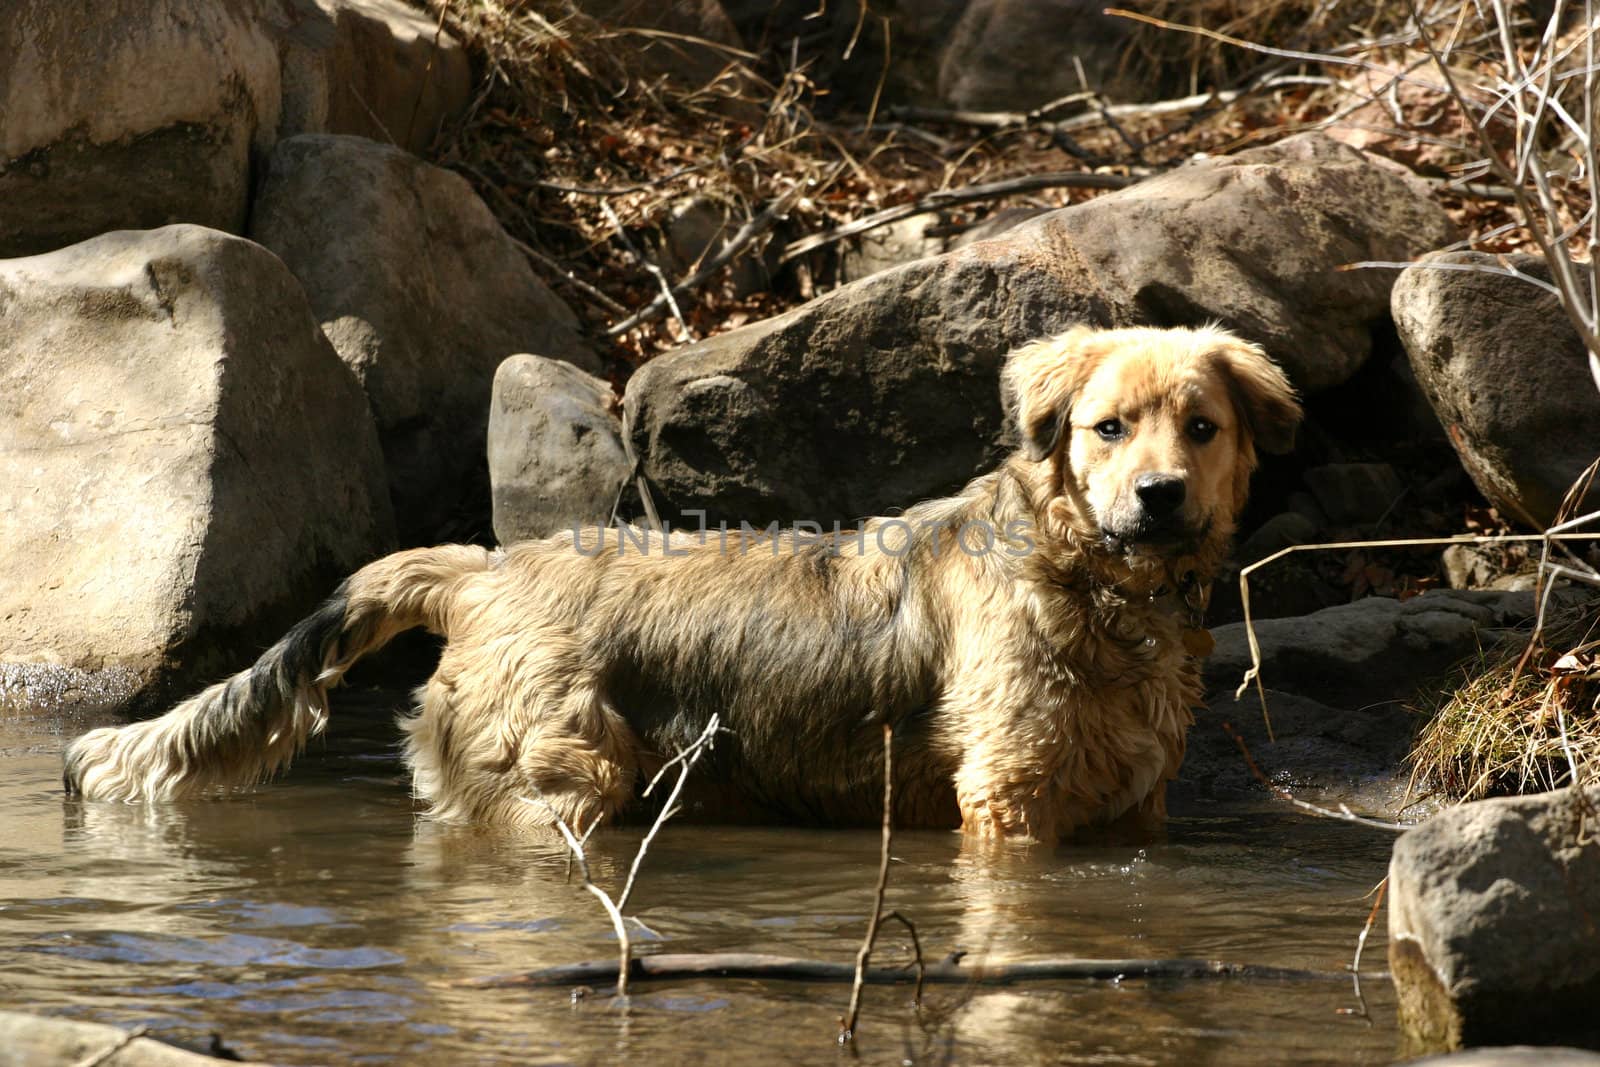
(1033, 641)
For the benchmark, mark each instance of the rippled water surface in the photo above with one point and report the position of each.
(321, 921)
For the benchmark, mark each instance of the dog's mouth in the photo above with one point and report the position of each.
(1155, 537)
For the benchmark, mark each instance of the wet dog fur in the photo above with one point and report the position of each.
(1035, 688)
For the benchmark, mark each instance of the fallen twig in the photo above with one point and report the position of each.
(618, 923)
(655, 271)
(571, 278)
(674, 966)
(685, 761)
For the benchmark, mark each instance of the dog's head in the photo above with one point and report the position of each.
(1146, 438)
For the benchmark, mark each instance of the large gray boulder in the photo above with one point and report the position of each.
(1493, 935)
(422, 294)
(885, 391)
(185, 463)
(556, 459)
(380, 69)
(130, 114)
(1506, 374)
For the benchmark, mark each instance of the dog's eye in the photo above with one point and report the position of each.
(1202, 430)
(1110, 429)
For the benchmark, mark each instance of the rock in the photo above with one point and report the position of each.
(1354, 493)
(1328, 755)
(1373, 650)
(895, 62)
(555, 449)
(185, 464)
(31, 1040)
(1492, 931)
(129, 114)
(690, 56)
(1005, 219)
(1016, 55)
(888, 246)
(1507, 376)
(1305, 505)
(423, 295)
(1470, 566)
(697, 229)
(1256, 240)
(1283, 530)
(379, 69)
(1513, 1056)
(885, 391)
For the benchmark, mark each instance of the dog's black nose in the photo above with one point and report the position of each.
(1161, 494)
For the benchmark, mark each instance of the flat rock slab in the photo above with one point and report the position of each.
(1326, 755)
(885, 392)
(185, 463)
(32, 1040)
(1513, 1056)
(1492, 923)
(1376, 649)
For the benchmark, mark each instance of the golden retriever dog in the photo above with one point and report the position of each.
(1032, 640)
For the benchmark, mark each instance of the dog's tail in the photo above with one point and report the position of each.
(244, 729)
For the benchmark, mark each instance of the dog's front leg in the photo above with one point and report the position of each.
(1001, 801)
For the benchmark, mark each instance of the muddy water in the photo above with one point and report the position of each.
(320, 921)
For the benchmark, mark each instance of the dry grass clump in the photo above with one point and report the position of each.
(1501, 731)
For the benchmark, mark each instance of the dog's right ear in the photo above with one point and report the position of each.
(1038, 383)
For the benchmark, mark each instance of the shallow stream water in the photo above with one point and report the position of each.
(320, 920)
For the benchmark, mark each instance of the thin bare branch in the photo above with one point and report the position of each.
(686, 761)
(1361, 944)
(618, 923)
(847, 1022)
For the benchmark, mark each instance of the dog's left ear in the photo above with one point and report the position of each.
(1038, 383)
(1263, 395)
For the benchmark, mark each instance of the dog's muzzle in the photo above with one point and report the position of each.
(1156, 523)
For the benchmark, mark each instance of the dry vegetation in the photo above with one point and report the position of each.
(588, 153)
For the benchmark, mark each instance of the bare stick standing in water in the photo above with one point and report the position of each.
(847, 1022)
